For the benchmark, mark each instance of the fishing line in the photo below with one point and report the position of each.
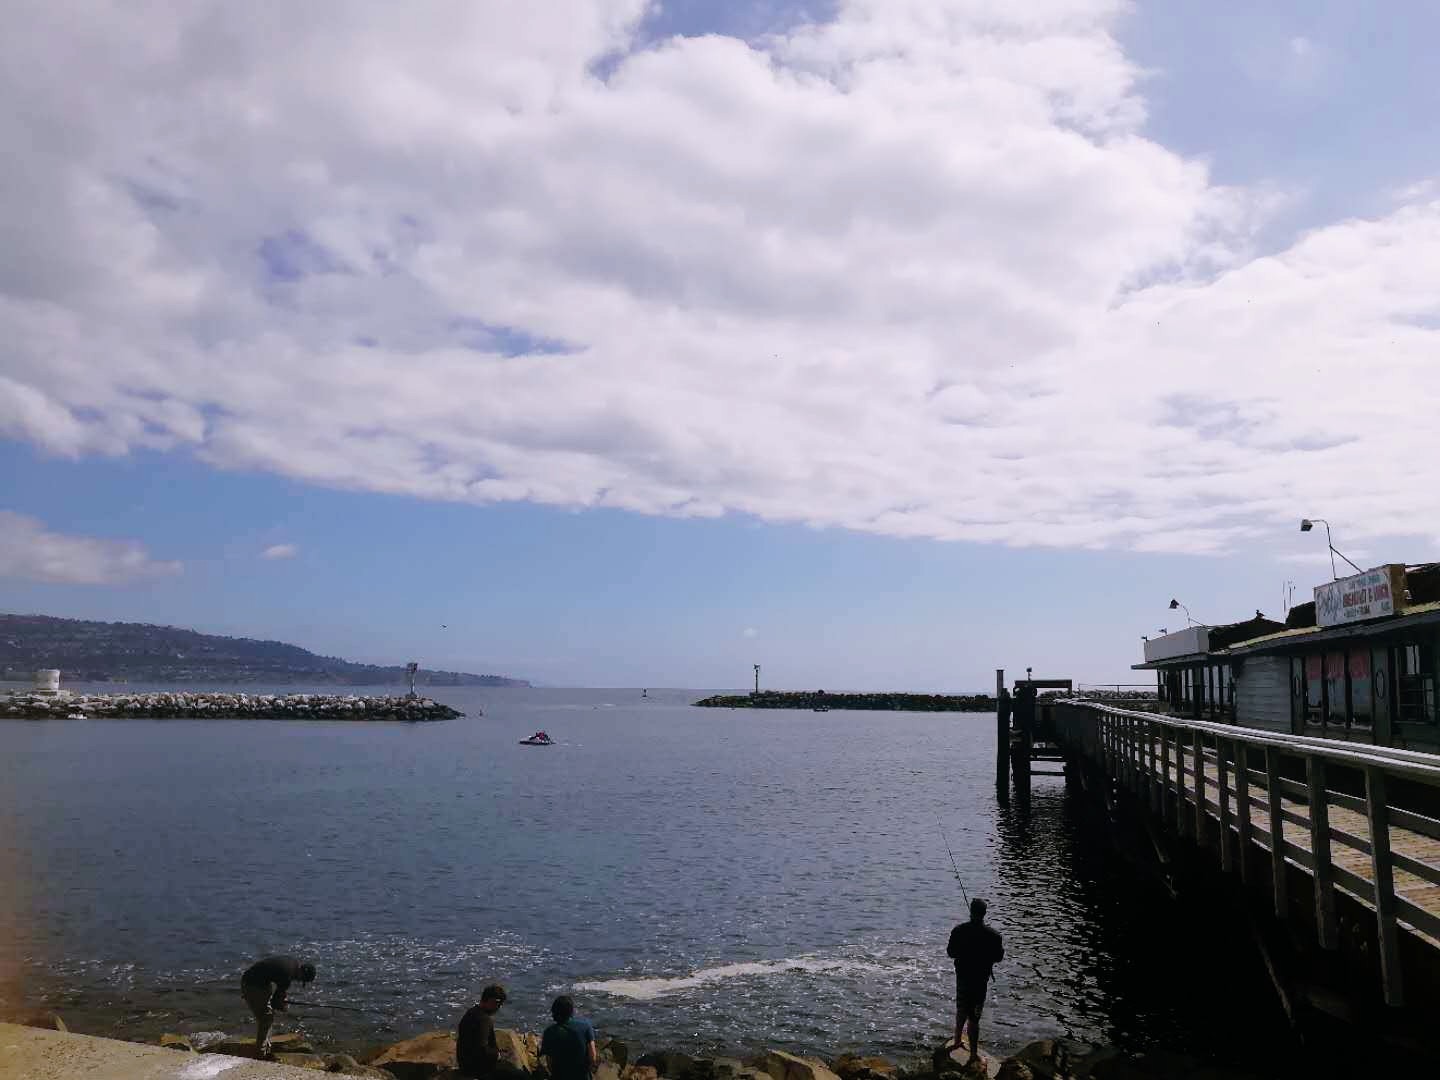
(317, 1005)
(953, 867)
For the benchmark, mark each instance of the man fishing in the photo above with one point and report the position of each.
(476, 1052)
(264, 987)
(976, 949)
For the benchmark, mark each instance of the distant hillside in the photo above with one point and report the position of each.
(138, 652)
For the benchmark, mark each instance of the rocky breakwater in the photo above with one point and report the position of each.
(215, 705)
(431, 1056)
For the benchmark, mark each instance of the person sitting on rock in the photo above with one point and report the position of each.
(568, 1044)
(976, 949)
(476, 1052)
(264, 987)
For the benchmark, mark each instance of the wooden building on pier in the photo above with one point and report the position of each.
(1358, 663)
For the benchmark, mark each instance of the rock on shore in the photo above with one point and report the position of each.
(223, 706)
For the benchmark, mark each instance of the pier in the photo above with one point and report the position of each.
(1333, 847)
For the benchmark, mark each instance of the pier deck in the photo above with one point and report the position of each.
(1358, 825)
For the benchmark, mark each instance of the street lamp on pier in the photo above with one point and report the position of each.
(1306, 524)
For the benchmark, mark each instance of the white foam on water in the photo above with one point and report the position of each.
(650, 989)
(203, 1068)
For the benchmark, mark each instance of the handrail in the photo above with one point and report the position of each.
(1411, 763)
(1132, 749)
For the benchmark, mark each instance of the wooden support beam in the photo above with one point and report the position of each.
(1278, 881)
(1323, 869)
(1200, 825)
(1242, 807)
(1382, 870)
(1227, 843)
(1167, 807)
(1002, 738)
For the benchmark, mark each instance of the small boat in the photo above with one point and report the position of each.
(538, 739)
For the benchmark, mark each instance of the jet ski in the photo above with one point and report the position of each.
(538, 739)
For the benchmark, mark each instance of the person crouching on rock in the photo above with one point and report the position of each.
(976, 949)
(264, 987)
(476, 1052)
(568, 1044)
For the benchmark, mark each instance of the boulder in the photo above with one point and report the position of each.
(640, 1072)
(232, 1047)
(730, 1068)
(606, 1070)
(1054, 1059)
(616, 1051)
(177, 1042)
(1013, 1069)
(291, 1042)
(855, 1067)
(420, 1058)
(201, 1039)
(956, 1063)
(783, 1066)
(301, 1061)
(668, 1063)
(515, 1049)
(41, 1018)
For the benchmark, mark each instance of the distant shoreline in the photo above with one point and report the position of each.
(879, 702)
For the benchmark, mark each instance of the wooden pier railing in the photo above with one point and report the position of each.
(1355, 818)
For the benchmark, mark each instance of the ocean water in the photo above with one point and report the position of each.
(699, 879)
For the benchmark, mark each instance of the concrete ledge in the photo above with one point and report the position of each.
(37, 1054)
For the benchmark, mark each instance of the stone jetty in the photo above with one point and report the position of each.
(213, 705)
(820, 699)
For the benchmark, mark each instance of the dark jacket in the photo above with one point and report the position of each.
(475, 1048)
(975, 948)
(280, 970)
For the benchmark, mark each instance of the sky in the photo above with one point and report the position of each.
(610, 342)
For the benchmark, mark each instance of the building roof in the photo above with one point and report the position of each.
(1416, 615)
(1173, 661)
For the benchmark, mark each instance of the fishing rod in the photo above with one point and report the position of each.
(318, 1005)
(952, 862)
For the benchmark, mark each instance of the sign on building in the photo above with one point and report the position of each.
(1371, 595)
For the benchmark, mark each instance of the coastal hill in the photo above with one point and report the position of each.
(87, 651)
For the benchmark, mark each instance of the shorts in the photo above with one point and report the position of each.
(969, 998)
(259, 996)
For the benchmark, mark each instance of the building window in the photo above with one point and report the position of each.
(1314, 689)
(1415, 684)
(1335, 689)
(1362, 708)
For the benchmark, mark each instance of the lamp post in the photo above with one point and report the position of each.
(1306, 524)
(757, 678)
(1176, 604)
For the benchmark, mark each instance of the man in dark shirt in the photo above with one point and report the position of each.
(476, 1052)
(569, 1043)
(264, 987)
(975, 948)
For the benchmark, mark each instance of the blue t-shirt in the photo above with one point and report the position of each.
(567, 1046)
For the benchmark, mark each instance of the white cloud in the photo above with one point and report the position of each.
(750, 632)
(280, 551)
(30, 552)
(914, 271)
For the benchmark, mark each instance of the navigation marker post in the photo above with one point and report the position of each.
(1002, 739)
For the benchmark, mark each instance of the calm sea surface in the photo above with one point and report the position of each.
(698, 878)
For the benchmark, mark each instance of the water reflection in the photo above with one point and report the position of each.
(1115, 956)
